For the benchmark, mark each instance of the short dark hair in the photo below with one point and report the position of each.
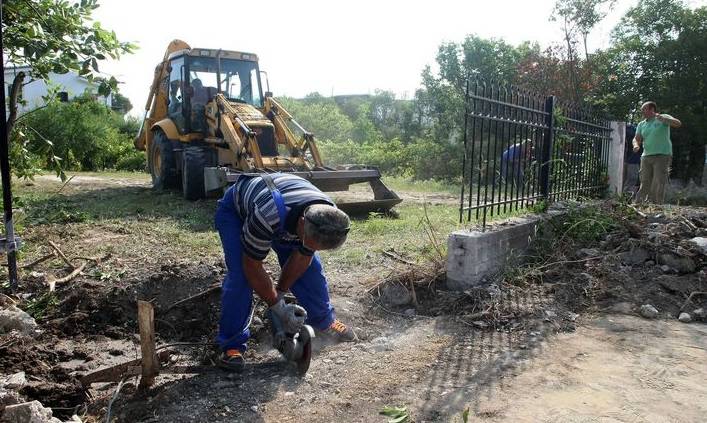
(650, 104)
(326, 224)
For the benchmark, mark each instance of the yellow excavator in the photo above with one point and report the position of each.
(207, 120)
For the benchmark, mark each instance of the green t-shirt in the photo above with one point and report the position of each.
(656, 137)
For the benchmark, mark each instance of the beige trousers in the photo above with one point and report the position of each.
(654, 174)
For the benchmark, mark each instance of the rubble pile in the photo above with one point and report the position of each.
(609, 257)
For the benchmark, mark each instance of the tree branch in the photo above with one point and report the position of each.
(14, 93)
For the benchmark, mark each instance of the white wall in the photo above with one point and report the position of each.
(33, 92)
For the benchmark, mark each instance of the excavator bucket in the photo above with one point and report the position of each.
(328, 180)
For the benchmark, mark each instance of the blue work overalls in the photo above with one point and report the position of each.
(310, 289)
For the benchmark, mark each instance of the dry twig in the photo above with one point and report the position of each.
(38, 261)
(565, 262)
(52, 283)
(61, 254)
(689, 298)
(638, 212)
(65, 184)
(113, 398)
(398, 258)
(203, 293)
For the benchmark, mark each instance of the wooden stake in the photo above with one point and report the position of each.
(146, 322)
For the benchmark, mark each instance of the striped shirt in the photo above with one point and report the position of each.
(255, 206)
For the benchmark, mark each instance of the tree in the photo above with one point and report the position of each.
(442, 97)
(577, 19)
(56, 36)
(659, 52)
(121, 103)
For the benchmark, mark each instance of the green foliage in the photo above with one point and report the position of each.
(396, 414)
(49, 210)
(59, 36)
(41, 306)
(587, 224)
(84, 133)
(320, 116)
(658, 52)
(540, 207)
(121, 104)
(56, 36)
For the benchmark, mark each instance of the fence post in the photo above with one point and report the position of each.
(616, 157)
(466, 117)
(546, 152)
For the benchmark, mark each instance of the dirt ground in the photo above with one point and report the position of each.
(540, 357)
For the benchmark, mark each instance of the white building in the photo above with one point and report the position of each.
(70, 85)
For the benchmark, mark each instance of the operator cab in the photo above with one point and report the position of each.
(197, 75)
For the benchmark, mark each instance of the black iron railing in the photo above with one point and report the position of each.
(521, 148)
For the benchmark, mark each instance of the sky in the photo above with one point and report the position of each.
(332, 47)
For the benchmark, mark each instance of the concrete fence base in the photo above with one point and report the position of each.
(474, 256)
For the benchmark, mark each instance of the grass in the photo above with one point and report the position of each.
(143, 227)
(400, 183)
(405, 235)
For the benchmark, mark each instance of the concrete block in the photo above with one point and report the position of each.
(473, 255)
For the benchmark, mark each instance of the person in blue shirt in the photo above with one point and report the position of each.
(514, 160)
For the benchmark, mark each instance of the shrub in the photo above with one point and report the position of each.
(83, 134)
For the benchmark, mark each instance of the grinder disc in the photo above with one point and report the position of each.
(305, 337)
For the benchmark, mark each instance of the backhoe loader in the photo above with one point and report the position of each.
(207, 120)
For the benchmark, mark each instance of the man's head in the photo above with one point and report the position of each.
(323, 227)
(649, 109)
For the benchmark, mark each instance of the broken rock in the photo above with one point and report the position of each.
(685, 317)
(648, 311)
(14, 381)
(701, 243)
(29, 412)
(12, 318)
(635, 256)
(396, 294)
(679, 263)
(9, 397)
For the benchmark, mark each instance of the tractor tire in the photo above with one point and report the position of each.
(161, 163)
(194, 159)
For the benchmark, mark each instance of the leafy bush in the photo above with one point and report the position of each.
(80, 135)
(421, 159)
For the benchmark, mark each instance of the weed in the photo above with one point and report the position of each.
(396, 414)
(587, 224)
(41, 306)
(540, 207)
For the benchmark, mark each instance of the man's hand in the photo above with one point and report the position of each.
(668, 120)
(291, 316)
(637, 141)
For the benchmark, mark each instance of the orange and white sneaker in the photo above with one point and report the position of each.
(339, 332)
(232, 360)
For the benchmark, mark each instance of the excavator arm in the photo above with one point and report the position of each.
(280, 117)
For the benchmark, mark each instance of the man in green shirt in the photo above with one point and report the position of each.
(653, 133)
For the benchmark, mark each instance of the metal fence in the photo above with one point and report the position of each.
(521, 148)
